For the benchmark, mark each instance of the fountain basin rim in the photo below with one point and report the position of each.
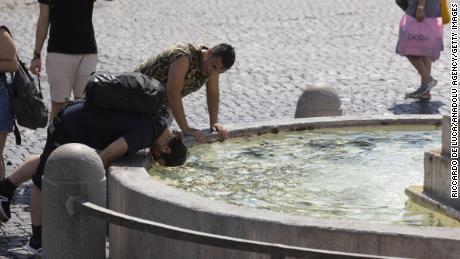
(137, 180)
(278, 125)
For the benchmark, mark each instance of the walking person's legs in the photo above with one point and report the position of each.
(423, 67)
(428, 64)
(86, 66)
(63, 72)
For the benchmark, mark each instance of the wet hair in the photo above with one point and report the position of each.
(179, 152)
(226, 52)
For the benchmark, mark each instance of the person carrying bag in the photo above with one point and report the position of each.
(421, 41)
(8, 64)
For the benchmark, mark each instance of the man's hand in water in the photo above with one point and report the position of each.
(196, 133)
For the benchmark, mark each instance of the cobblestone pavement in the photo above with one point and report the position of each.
(281, 47)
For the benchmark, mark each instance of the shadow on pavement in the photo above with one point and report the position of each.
(418, 107)
(13, 246)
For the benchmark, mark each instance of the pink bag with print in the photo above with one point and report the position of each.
(420, 38)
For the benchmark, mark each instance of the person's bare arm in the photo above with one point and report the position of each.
(420, 13)
(41, 33)
(113, 151)
(174, 86)
(212, 97)
(8, 60)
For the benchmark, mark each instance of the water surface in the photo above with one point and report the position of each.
(355, 173)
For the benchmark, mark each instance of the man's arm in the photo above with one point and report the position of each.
(212, 97)
(40, 36)
(113, 151)
(174, 86)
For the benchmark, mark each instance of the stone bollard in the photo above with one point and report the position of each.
(318, 100)
(73, 170)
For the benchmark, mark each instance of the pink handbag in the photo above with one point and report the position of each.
(420, 38)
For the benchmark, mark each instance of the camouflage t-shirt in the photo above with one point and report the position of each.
(158, 66)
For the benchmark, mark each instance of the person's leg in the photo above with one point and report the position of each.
(35, 241)
(427, 63)
(9, 185)
(55, 108)
(3, 136)
(86, 66)
(423, 67)
(60, 69)
(56, 136)
(25, 172)
(422, 70)
(6, 121)
(35, 206)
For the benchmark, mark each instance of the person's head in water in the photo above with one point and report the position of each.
(169, 149)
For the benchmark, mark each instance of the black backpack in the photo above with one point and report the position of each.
(26, 100)
(126, 92)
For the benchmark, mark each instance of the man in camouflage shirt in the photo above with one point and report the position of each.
(184, 69)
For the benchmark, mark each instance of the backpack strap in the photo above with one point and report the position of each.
(17, 135)
(39, 88)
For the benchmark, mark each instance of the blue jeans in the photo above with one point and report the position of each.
(6, 116)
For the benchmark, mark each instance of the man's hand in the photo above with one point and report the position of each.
(196, 133)
(36, 66)
(221, 130)
(420, 15)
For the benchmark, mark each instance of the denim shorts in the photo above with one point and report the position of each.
(6, 117)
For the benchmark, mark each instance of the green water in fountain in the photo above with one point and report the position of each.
(355, 173)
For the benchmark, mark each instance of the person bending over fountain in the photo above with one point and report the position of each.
(184, 69)
(115, 133)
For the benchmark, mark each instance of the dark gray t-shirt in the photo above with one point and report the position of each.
(431, 8)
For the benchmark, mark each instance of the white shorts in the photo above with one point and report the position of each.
(68, 73)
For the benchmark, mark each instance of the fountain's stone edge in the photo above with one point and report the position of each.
(276, 125)
(132, 191)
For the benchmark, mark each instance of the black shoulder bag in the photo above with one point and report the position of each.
(26, 101)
